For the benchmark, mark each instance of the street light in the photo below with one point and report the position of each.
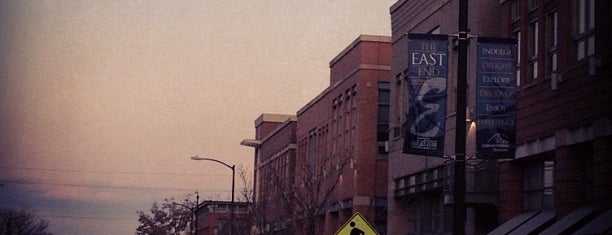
(233, 168)
(459, 207)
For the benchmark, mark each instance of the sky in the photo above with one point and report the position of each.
(102, 103)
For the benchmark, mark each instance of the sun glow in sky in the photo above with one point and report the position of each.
(103, 102)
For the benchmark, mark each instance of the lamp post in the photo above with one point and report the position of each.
(459, 212)
(233, 168)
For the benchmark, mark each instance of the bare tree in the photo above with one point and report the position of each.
(314, 190)
(23, 222)
(294, 198)
(270, 211)
(257, 211)
(171, 217)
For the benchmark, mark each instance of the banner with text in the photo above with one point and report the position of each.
(496, 98)
(427, 74)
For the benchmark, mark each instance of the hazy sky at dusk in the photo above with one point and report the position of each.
(103, 102)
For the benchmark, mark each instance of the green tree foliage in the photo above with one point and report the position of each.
(22, 222)
(169, 218)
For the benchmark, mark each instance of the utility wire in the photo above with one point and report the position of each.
(6, 182)
(88, 217)
(103, 172)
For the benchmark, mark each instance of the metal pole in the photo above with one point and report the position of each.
(232, 204)
(195, 215)
(459, 207)
(191, 223)
(233, 168)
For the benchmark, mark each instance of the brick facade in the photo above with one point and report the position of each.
(214, 218)
(338, 131)
(275, 153)
(563, 137)
(331, 151)
(564, 125)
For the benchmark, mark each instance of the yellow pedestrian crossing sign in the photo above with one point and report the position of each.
(357, 225)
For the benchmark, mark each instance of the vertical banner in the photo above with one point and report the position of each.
(427, 74)
(496, 98)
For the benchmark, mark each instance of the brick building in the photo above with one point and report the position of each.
(214, 218)
(341, 136)
(420, 187)
(313, 174)
(275, 152)
(558, 179)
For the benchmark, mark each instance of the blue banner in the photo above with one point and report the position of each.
(427, 74)
(496, 98)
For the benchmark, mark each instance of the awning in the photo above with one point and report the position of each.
(569, 221)
(514, 222)
(600, 225)
(535, 223)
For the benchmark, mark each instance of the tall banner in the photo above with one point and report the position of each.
(427, 75)
(496, 98)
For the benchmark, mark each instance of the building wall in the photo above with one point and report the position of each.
(337, 135)
(339, 129)
(410, 215)
(559, 114)
(540, 105)
(274, 168)
(266, 123)
(276, 171)
(560, 111)
(214, 218)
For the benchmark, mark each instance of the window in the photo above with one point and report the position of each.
(354, 107)
(516, 13)
(353, 117)
(397, 103)
(384, 90)
(431, 215)
(533, 51)
(538, 185)
(585, 40)
(549, 185)
(553, 32)
(533, 4)
(533, 39)
(312, 150)
(334, 123)
(380, 211)
(339, 122)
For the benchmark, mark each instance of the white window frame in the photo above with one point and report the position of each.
(585, 39)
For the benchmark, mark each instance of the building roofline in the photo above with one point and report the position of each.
(361, 38)
(272, 117)
(284, 119)
(279, 128)
(330, 88)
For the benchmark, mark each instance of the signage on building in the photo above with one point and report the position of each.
(496, 98)
(427, 78)
(356, 225)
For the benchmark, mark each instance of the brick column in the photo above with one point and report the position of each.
(510, 190)
(570, 190)
(602, 172)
